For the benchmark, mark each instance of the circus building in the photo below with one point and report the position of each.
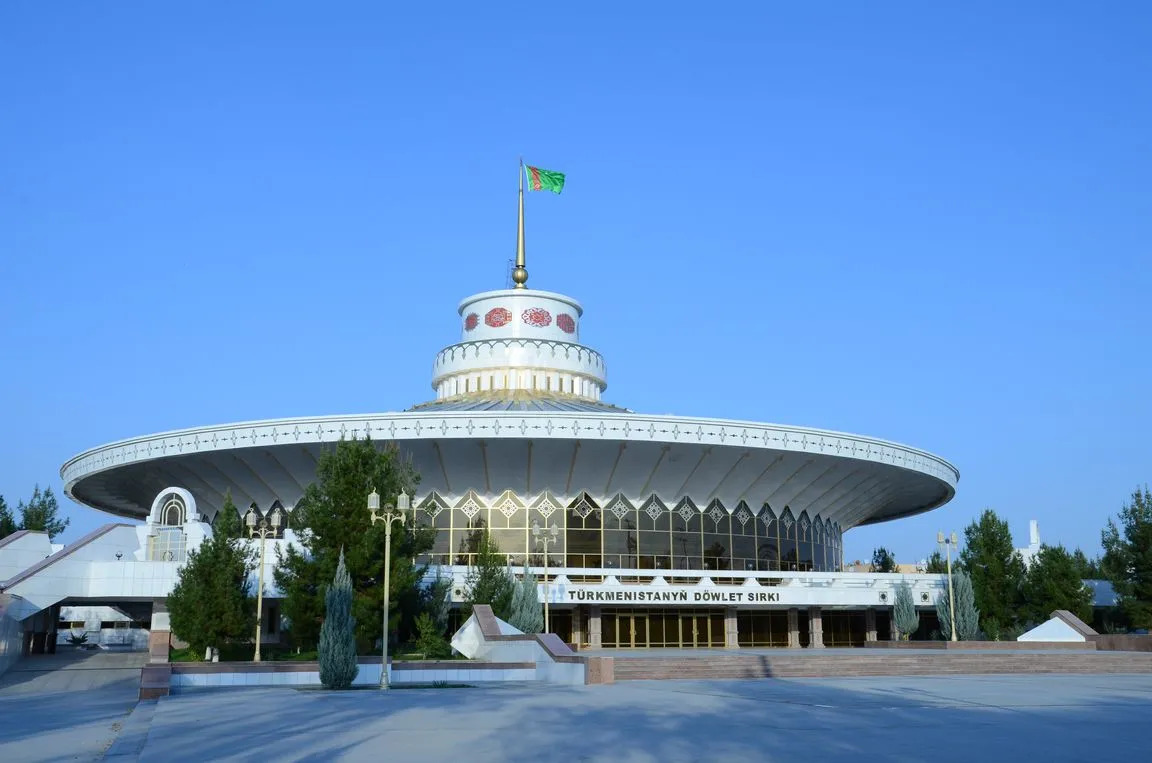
(663, 531)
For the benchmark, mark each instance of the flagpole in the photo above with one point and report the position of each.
(520, 274)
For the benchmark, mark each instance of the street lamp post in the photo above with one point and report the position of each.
(388, 516)
(265, 527)
(544, 536)
(948, 543)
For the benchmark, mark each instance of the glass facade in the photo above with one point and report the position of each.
(623, 534)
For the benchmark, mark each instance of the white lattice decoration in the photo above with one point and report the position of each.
(743, 516)
(546, 508)
(583, 509)
(804, 524)
(788, 522)
(716, 513)
(653, 510)
(686, 511)
(433, 509)
(619, 508)
(508, 508)
(470, 508)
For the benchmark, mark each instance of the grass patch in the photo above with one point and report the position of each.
(420, 656)
(244, 653)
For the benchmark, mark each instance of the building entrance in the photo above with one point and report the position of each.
(676, 628)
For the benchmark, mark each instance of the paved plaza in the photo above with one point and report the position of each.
(67, 706)
(964, 718)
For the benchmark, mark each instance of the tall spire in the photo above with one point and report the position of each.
(520, 274)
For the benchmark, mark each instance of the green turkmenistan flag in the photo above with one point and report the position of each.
(544, 180)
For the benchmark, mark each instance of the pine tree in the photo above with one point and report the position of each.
(42, 513)
(431, 642)
(882, 561)
(967, 615)
(1127, 558)
(526, 613)
(332, 516)
(937, 564)
(211, 602)
(996, 571)
(7, 521)
(489, 580)
(337, 655)
(904, 613)
(1055, 581)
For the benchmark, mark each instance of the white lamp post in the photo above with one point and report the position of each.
(388, 516)
(948, 543)
(545, 536)
(265, 527)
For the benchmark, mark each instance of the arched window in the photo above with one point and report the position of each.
(174, 512)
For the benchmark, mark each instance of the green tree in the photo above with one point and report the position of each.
(489, 580)
(967, 614)
(430, 641)
(937, 564)
(526, 614)
(1087, 569)
(7, 521)
(211, 602)
(1127, 560)
(904, 614)
(996, 570)
(333, 515)
(882, 561)
(1054, 581)
(438, 601)
(337, 653)
(42, 513)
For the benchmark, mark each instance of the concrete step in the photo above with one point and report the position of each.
(840, 665)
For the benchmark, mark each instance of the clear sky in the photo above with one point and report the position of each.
(925, 224)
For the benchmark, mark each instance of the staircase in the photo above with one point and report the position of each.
(889, 664)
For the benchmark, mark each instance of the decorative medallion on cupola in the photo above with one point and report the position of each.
(566, 323)
(537, 316)
(498, 317)
(471, 321)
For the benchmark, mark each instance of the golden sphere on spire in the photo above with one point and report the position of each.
(520, 276)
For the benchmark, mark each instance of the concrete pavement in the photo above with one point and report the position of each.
(80, 711)
(964, 718)
(67, 706)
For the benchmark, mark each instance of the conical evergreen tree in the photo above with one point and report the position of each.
(337, 656)
(967, 616)
(526, 612)
(904, 613)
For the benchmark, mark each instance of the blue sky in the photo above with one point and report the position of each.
(925, 224)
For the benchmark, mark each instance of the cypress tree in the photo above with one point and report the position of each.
(904, 612)
(526, 612)
(967, 616)
(337, 656)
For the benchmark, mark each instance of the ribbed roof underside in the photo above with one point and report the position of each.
(518, 400)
